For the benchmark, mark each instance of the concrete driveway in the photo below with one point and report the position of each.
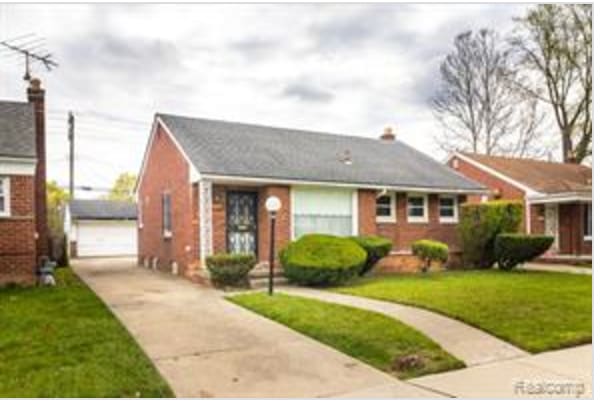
(205, 346)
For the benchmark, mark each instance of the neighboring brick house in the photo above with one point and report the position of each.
(557, 197)
(203, 185)
(23, 223)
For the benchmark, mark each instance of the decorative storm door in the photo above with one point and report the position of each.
(242, 222)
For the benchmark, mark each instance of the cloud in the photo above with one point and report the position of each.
(307, 92)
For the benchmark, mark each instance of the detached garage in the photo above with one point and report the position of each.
(101, 228)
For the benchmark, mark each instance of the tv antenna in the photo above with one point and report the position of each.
(32, 48)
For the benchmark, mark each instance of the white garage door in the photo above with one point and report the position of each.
(96, 238)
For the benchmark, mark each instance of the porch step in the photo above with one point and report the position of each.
(262, 283)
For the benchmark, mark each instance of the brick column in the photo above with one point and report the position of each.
(366, 212)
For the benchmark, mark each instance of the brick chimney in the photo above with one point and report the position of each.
(35, 95)
(388, 134)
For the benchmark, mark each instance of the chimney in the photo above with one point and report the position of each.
(35, 96)
(388, 134)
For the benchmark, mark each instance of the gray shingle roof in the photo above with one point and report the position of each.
(101, 209)
(236, 149)
(17, 129)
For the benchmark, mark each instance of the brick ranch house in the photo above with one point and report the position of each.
(203, 184)
(557, 197)
(23, 223)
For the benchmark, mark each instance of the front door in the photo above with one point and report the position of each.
(551, 223)
(242, 222)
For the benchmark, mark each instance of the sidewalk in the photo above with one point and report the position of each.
(565, 373)
(569, 269)
(467, 343)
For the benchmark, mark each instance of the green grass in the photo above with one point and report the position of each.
(370, 337)
(64, 342)
(537, 311)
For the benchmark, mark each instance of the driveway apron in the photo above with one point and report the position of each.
(205, 346)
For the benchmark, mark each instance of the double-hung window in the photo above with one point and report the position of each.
(4, 196)
(417, 208)
(587, 221)
(322, 210)
(166, 210)
(385, 208)
(448, 209)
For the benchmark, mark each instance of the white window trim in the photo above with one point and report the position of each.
(392, 218)
(591, 209)
(5, 184)
(454, 218)
(425, 203)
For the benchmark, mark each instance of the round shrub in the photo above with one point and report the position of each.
(230, 269)
(512, 249)
(376, 248)
(429, 251)
(322, 260)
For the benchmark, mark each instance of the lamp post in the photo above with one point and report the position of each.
(272, 205)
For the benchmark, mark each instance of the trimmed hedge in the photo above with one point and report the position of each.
(230, 269)
(376, 248)
(512, 249)
(429, 251)
(480, 223)
(322, 260)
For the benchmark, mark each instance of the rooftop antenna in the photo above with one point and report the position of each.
(31, 48)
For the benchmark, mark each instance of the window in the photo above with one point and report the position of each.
(166, 205)
(587, 221)
(417, 209)
(322, 210)
(448, 209)
(385, 208)
(4, 196)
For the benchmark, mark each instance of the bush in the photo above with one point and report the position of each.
(512, 249)
(230, 269)
(375, 247)
(480, 223)
(429, 251)
(322, 260)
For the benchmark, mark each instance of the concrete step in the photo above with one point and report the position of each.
(262, 283)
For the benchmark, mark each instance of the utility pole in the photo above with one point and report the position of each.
(71, 137)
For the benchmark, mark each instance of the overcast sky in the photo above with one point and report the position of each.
(350, 69)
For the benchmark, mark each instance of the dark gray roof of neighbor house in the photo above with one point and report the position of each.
(237, 149)
(101, 209)
(17, 129)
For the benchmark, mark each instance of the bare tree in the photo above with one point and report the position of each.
(554, 42)
(478, 104)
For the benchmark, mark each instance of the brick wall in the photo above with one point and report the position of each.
(401, 232)
(17, 240)
(167, 171)
(503, 189)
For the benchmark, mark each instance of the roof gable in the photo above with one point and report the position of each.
(542, 176)
(235, 149)
(17, 130)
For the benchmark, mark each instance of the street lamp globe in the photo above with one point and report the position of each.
(273, 204)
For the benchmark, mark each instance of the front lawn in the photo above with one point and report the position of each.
(537, 311)
(373, 338)
(64, 342)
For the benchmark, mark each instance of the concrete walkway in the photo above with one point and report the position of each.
(205, 346)
(569, 269)
(469, 344)
(567, 373)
